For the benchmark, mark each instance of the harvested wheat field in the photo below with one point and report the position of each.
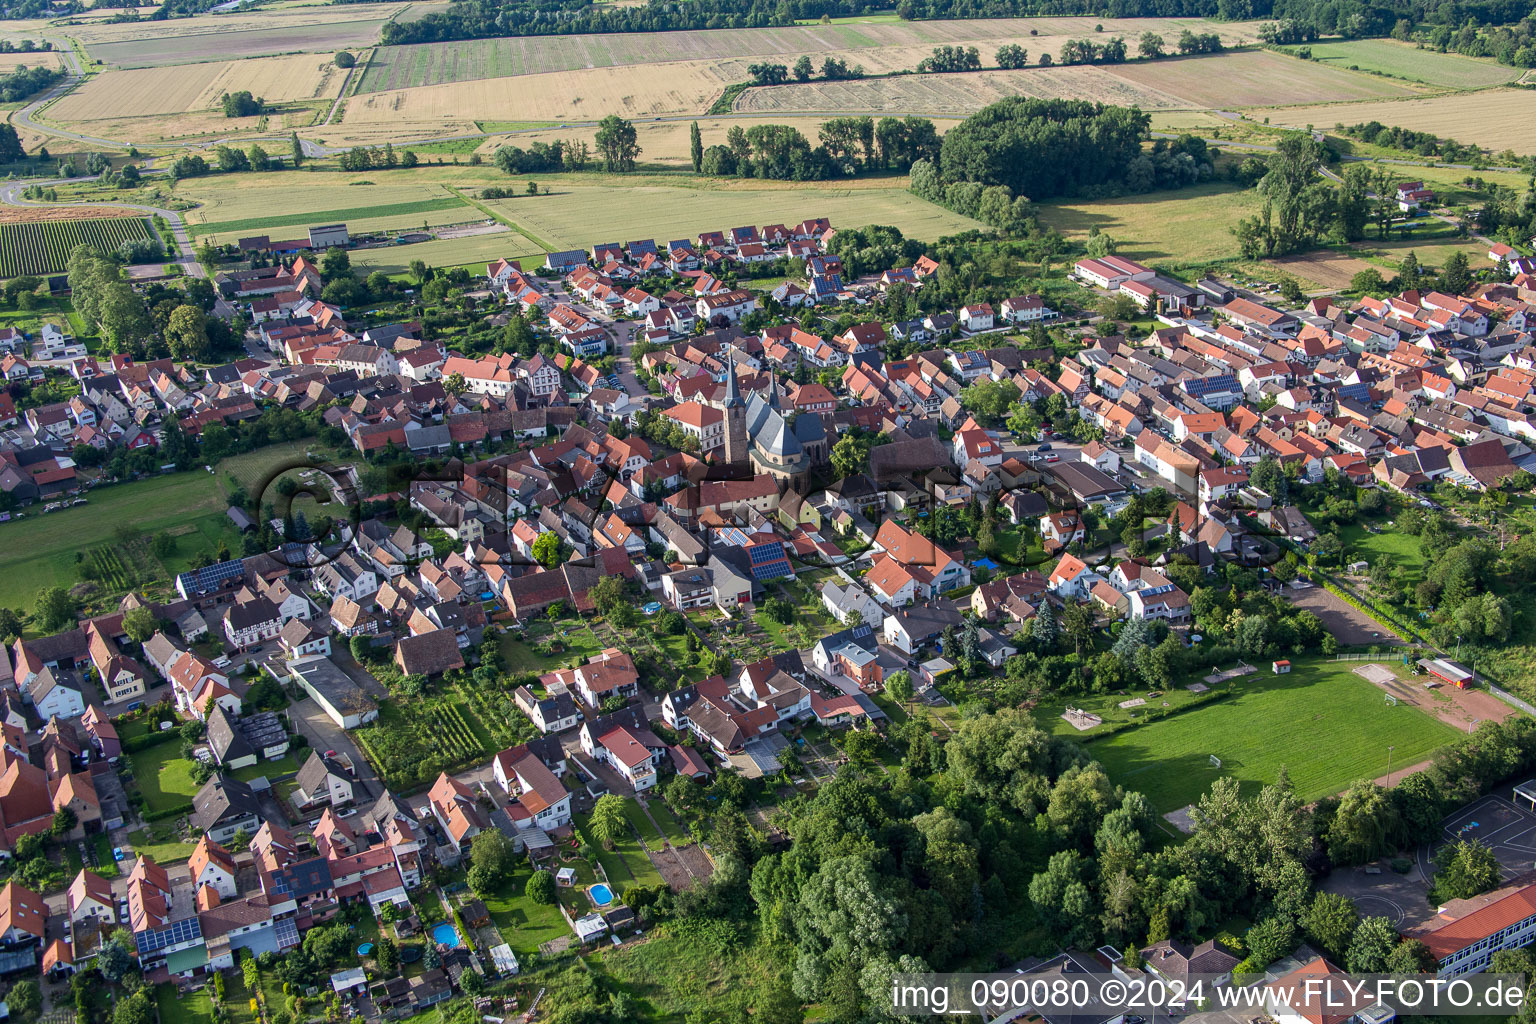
(38, 59)
(955, 94)
(218, 39)
(27, 215)
(1253, 77)
(176, 90)
(419, 64)
(1496, 119)
(682, 88)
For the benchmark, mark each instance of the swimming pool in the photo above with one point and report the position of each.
(601, 894)
(446, 934)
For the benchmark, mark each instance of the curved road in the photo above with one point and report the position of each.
(10, 195)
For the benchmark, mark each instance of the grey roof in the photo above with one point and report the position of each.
(223, 799)
(312, 777)
(224, 739)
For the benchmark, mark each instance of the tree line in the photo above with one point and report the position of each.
(25, 82)
(833, 69)
(845, 146)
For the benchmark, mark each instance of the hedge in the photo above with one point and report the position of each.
(168, 812)
(134, 744)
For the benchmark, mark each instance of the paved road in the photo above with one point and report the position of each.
(11, 195)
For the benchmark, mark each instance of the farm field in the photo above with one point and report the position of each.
(175, 90)
(1327, 268)
(32, 215)
(42, 247)
(893, 42)
(448, 252)
(212, 42)
(576, 215)
(956, 94)
(1191, 225)
(243, 203)
(1242, 77)
(1404, 60)
(385, 217)
(1322, 723)
(1496, 119)
(588, 94)
(1253, 78)
(40, 59)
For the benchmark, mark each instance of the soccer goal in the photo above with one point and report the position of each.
(1215, 761)
(1391, 701)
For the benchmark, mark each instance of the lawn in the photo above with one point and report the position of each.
(193, 1008)
(626, 865)
(164, 777)
(648, 834)
(523, 923)
(1322, 723)
(671, 827)
(41, 550)
(1192, 225)
(288, 764)
(1404, 549)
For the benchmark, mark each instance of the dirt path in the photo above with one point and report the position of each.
(1399, 774)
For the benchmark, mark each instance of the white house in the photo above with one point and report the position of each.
(1071, 578)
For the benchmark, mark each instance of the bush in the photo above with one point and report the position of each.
(345, 60)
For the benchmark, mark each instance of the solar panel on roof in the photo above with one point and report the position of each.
(287, 931)
(211, 577)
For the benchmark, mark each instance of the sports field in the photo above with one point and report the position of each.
(1404, 60)
(576, 215)
(1192, 224)
(175, 90)
(401, 67)
(1496, 119)
(1322, 723)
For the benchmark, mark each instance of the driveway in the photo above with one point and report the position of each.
(323, 734)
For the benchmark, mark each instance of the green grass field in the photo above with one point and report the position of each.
(389, 211)
(1188, 226)
(1404, 60)
(578, 214)
(39, 551)
(1325, 725)
(473, 251)
(164, 776)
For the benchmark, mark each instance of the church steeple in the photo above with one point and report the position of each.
(735, 418)
(732, 387)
